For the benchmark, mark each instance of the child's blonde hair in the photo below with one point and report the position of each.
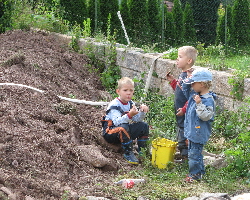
(207, 84)
(123, 81)
(190, 51)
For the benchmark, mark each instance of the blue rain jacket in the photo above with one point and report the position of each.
(199, 117)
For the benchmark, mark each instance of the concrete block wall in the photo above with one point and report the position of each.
(134, 62)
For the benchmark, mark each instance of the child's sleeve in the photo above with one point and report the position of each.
(173, 84)
(204, 112)
(139, 117)
(116, 117)
(186, 89)
(184, 108)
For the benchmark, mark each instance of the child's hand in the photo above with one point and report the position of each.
(144, 108)
(170, 77)
(133, 111)
(197, 99)
(180, 112)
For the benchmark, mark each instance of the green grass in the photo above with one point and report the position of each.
(218, 58)
(169, 183)
(237, 62)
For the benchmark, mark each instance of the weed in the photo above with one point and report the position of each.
(65, 195)
(172, 54)
(237, 81)
(76, 35)
(65, 108)
(72, 96)
(18, 58)
(87, 28)
(24, 17)
(112, 72)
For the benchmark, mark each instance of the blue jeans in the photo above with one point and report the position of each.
(195, 160)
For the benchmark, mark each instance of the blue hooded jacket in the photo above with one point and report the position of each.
(199, 117)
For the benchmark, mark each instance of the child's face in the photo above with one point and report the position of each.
(125, 92)
(198, 86)
(183, 61)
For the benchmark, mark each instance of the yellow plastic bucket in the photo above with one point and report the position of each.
(163, 151)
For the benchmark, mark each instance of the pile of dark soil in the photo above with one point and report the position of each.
(40, 134)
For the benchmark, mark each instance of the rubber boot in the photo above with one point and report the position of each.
(128, 153)
(142, 143)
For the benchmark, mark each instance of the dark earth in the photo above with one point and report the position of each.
(45, 141)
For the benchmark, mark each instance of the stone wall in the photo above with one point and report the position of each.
(133, 62)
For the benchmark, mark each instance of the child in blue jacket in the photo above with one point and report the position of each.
(199, 117)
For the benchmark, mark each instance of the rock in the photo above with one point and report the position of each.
(214, 196)
(92, 155)
(142, 198)
(113, 147)
(29, 198)
(210, 196)
(245, 196)
(192, 198)
(95, 198)
(7, 191)
(217, 161)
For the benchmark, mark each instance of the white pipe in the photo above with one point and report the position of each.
(151, 73)
(123, 27)
(100, 103)
(21, 85)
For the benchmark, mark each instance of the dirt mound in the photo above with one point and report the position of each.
(41, 134)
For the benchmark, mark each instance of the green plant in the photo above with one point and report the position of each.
(6, 10)
(65, 195)
(205, 18)
(237, 81)
(74, 11)
(172, 54)
(178, 21)
(240, 33)
(227, 126)
(65, 108)
(139, 26)
(24, 17)
(111, 73)
(238, 155)
(76, 35)
(161, 116)
(110, 76)
(87, 28)
(189, 31)
(108, 11)
(169, 28)
(72, 96)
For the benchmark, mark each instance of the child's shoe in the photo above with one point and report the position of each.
(130, 157)
(190, 179)
(128, 153)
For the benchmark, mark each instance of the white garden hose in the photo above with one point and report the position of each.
(100, 103)
(123, 27)
(151, 73)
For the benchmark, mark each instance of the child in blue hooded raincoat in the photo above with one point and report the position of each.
(198, 120)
